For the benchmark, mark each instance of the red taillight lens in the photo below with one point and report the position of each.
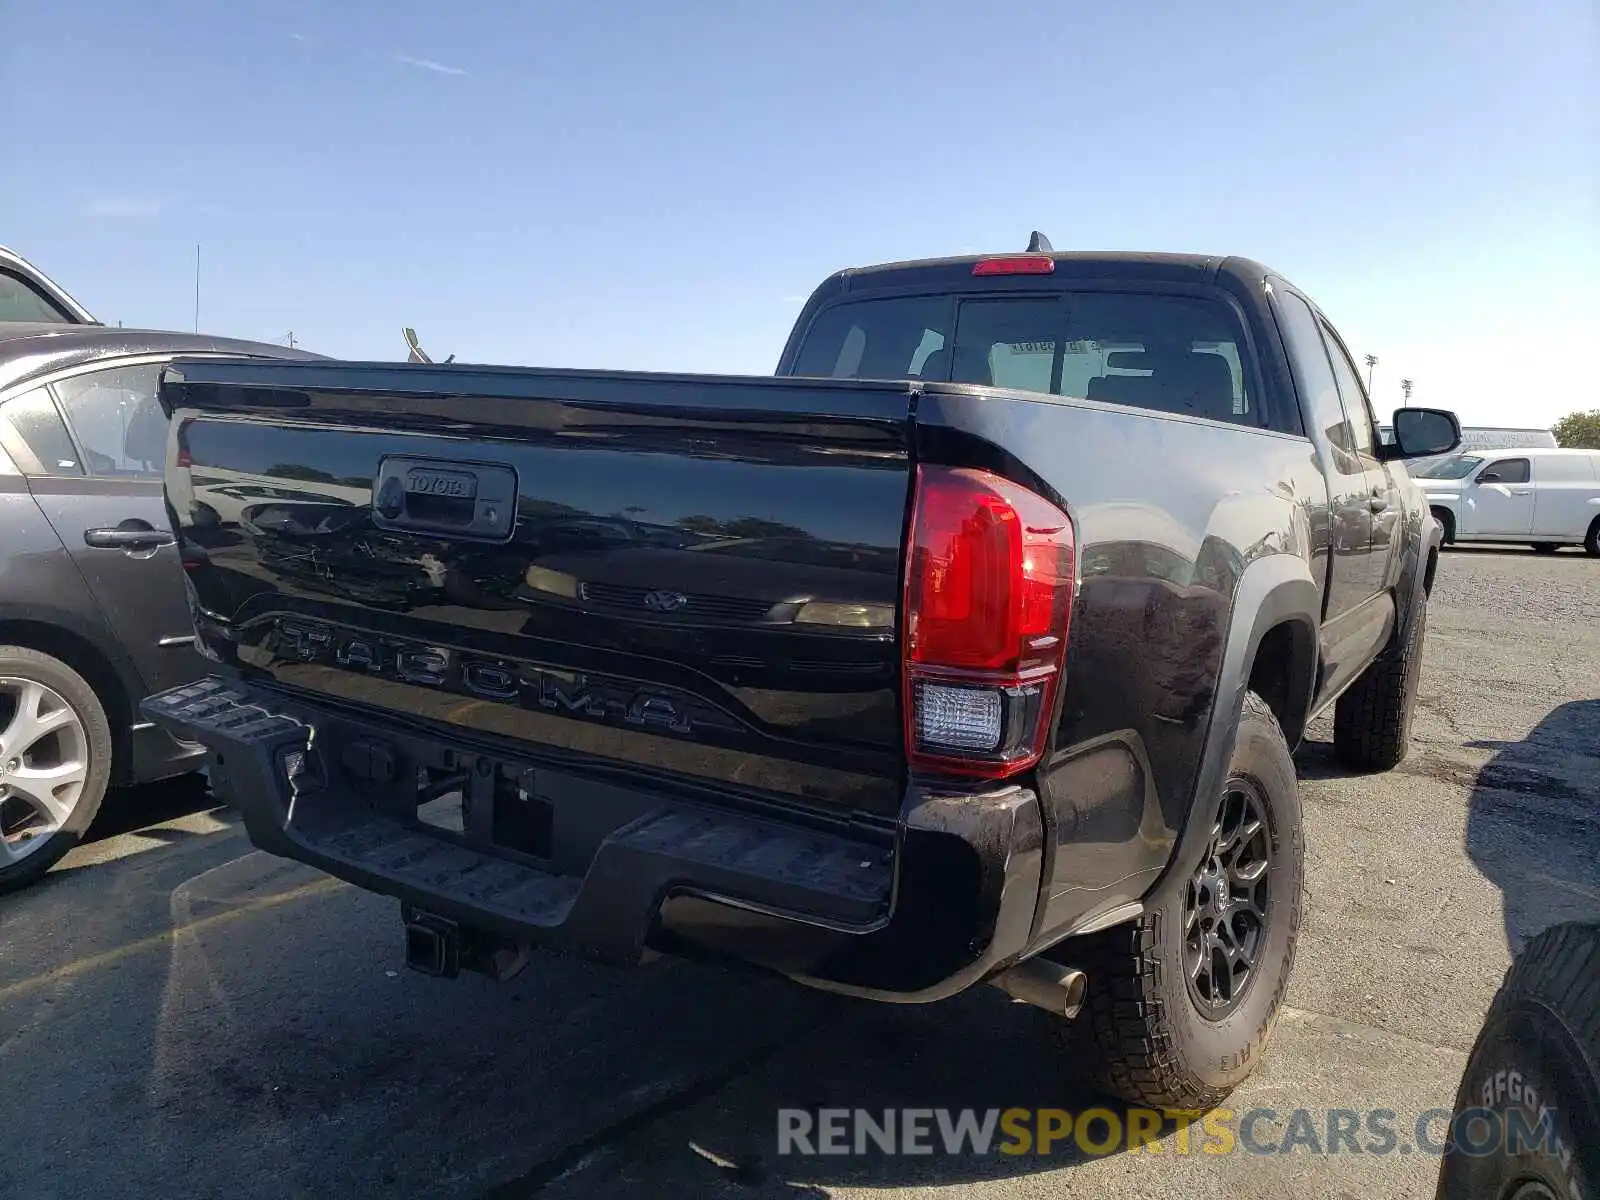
(989, 586)
(184, 459)
(1016, 264)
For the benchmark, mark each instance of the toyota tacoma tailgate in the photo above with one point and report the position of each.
(695, 577)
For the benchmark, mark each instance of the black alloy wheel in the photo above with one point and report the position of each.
(1226, 909)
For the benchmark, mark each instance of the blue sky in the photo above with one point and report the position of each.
(657, 185)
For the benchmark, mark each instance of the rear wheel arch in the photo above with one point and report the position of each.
(39, 831)
(1145, 1034)
(1283, 673)
(114, 688)
(1272, 592)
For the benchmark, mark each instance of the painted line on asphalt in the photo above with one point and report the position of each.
(155, 941)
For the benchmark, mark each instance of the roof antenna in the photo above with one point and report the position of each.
(1039, 244)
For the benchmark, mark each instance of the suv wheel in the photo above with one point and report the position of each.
(1536, 1060)
(1591, 540)
(1372, 721)
(1181, 1003)
(55, 761)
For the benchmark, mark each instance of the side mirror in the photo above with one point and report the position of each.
(1488, 477)
(1422, 432)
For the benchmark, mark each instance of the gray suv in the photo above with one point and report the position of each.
(92, 609)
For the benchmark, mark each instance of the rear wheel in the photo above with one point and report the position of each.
(1591, 540)
(1181, 1003)
(1372, 721)
(1537, 1059)
(55, 761)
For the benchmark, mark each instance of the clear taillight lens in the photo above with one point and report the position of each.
(989, 587)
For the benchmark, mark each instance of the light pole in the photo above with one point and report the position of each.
(1405, 389)
(1372, 361)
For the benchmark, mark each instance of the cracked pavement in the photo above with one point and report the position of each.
(178, 1010)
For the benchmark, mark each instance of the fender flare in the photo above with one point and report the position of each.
(97, 635)
(1271, 590)
(1413, 581)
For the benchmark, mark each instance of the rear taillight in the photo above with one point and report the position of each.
(989, 583)
(184, 460)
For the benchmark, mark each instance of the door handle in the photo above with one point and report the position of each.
(1522, 491)
(126, 539)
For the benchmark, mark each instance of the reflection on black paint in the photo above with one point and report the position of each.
(716, 586)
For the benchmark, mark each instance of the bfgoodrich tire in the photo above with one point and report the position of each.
(1152, 1029)
(1538, 1056)
(1372, 721)
(55, 762)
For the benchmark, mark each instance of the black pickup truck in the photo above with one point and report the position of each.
(971, 648)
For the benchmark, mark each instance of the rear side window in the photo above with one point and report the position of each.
(1175, 354)
(32, 418)
(1564, 468)
(118, 419)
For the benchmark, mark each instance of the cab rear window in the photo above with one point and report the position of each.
(1178, 354)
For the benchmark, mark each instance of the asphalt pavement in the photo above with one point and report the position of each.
(180, 1015)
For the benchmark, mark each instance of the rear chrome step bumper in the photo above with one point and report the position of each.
(949, 903)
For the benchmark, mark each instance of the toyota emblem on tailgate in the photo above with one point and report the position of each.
(665, 602)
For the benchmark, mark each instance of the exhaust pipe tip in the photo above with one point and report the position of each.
(1047, 985)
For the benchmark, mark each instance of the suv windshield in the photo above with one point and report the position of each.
(1458, 467)
(1178, 354)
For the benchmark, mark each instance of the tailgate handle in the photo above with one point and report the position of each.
(429, 495)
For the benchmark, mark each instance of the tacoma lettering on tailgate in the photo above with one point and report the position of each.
(597, 698)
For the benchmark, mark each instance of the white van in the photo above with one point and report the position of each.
(1546, 498)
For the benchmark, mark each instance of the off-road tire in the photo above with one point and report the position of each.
(1542, 1036)
(21, 662)
(1140, 1033)
(1372, 721)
